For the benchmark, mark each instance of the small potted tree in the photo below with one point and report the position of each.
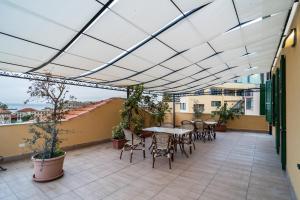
(225, 114)
(48, 158)
(118, 137)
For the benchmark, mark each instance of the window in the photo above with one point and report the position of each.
(182, 106)
(240, 93)
(229, 92)
(249, 103)
(200, 92)
(199, 107)
(216, 103)
(215, 91)
(248, 93)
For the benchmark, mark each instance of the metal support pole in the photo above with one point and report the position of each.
(128, 92)
(174, 123)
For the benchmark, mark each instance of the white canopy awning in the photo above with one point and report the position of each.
(169, 45)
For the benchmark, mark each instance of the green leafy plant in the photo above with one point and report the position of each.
(45, 131)
(26, 118)
(118, 133)
(130, 113)
(225, 114)
(3, 106)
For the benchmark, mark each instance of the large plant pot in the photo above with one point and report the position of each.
(48, 169)
(221, 128)
(118, 144)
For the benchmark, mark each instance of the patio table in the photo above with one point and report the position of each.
(173, 131)
(211, 127)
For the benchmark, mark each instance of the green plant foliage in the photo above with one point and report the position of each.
(26, 118)
(44, 140)
(3, 106)
(225, 114)
(118, 133)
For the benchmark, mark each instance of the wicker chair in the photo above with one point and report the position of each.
(199, 129)
(134, 142)
(162, 146)
(210, 133)
(188, 139)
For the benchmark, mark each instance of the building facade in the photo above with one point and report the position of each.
(234, 94)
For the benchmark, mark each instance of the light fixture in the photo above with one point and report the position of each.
(291, 39)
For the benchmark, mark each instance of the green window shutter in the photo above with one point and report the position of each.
(262, 109)
(268, 101)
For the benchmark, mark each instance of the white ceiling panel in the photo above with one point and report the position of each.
(181, 82)
(232, 54)
(77, 61)
(94, 49)
(142, 78)
(149, 52)
(148, 15)
(177, 62)
(156, 83)
(4, 57)
(201, 75)
(181, 37)
(157, 71)
(25, 49)
(22, 24)
(125, 83)
(134, 63)
(13, 68)
(115, 30)
(188, 71)
(217, 69)
(117, 71)
(211, 62)
(186, 6)
(60, 71)
(105, 77)
(55, 11)
(198, 53)
(260, 8)
(174, 77)
(214, 19)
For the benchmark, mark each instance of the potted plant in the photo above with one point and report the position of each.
(225, 114)
(48, 158)
(118, 137)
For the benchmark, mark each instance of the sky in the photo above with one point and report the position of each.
(14, 90)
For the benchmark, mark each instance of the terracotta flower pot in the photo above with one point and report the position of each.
(118, 144)
(48, 169)
(221, 128)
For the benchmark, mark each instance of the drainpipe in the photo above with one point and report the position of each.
(174, 111)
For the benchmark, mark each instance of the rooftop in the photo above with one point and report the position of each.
(235, 166)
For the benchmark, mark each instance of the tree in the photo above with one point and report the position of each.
(3, 106)
(46, 130)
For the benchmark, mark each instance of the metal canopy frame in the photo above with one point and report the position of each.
(106, 75)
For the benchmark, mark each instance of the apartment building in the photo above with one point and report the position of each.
(234, 94)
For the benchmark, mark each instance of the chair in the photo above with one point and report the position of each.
(162, 146)
(1, 168)
(188, 139)
(199, 129)
(133, 143)
(208, 130)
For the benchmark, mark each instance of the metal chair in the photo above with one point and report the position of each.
(188, 139)
(2, 168)
(133, 143)
(199, 129)
(162, 146)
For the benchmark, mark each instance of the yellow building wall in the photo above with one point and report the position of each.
(93, 126)
(244, 123)
(293, 108)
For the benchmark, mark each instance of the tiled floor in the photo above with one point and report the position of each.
(234, 166)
